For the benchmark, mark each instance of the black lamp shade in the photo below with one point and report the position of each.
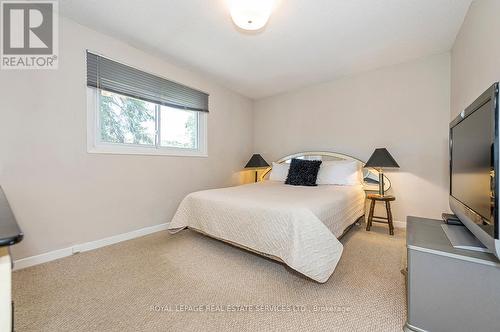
(256, 161)
(381, 158)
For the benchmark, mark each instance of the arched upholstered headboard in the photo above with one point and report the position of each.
(370, 176)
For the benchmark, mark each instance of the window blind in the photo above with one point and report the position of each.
(109, 75)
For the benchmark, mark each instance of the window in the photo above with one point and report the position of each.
(135, 123)
(178, 128)
(125, 120)
(140, 120)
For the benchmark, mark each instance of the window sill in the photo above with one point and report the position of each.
(146, 151)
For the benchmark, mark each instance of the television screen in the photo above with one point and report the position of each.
(472, 164)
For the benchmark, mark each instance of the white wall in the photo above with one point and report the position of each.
(60, 194)
(475, 57)
(404, 108)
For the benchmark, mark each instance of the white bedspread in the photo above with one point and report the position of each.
(299, 225)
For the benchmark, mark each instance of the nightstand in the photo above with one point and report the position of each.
(385, 220)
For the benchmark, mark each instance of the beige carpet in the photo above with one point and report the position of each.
(160, 282)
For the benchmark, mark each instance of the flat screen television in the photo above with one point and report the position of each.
(474, 153)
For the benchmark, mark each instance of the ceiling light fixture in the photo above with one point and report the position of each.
(251, 14)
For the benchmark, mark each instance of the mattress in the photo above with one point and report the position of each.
(299, 225)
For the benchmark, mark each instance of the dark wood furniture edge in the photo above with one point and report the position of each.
(10, 233)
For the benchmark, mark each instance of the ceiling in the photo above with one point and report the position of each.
(305, 42)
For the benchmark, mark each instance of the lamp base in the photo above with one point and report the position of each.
(381, 182)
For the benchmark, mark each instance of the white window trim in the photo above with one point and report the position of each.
(95, 145)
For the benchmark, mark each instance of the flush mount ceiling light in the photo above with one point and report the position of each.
(251, 14)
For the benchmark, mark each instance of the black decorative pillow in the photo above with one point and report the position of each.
(303, 172)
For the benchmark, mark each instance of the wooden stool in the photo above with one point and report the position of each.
(387, 200)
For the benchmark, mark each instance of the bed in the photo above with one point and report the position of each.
(298, 226)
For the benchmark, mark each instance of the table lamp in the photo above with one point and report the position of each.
(256, 162)
(381, 158)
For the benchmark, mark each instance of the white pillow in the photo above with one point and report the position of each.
(279, 172)
(340, 172)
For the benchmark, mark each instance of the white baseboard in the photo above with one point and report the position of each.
(60, 253)
(65, 252)
(399, 224)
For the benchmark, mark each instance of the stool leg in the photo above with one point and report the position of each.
(370, 215)
(389, 217)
